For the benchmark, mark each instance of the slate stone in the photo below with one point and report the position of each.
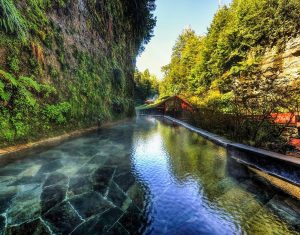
(5, 200)
(24, 207)
(99, 224)
(133, 220)
(116, 195)
(2, 224)
(137, 195)
(262, 192)
(52, 196)
(52, 155)
(285, 211)
(87, 170)
(50, 166)
(79, 185)
(117, 229)
(56, 178)
(62, 219)
(89, 151)
(101, 178)
(89, 204)
(98, 159)
(29, 180)
(125, 180)
(10, 171)
(122, 162)
(35, 227)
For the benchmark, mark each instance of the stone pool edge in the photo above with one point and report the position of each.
(18, 150)
(229, 144)
(291, 163)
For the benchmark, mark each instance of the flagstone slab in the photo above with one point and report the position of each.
(2, 224)
(25, 206)
(89, 204)
(102, 177)
(133, 220)
(99, 224)
(79, 185)
(116, 195)
(6, 198)
(62, 219)
(51, 166)
(35, 227)
(52, 196)
(56, 178)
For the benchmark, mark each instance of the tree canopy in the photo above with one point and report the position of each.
(206, 69)
(146, 86)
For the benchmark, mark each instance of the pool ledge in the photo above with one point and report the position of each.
(237, 146)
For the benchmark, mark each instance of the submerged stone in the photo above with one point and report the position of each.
(286, 211)
(124, 180)
(137, 195)
(62, 219)
(29, 180)
(56, 178)
(51, 166)
(89, 204)
(25, 206)
(98, 159)
(102, 177)
(35, 227)
(52, 196)
(117, 229)
(116, 195)
(100, 224)
(132, 220)
(87, 170)
(10, 171)
(79, 185)
(2, 224)
(6, 197)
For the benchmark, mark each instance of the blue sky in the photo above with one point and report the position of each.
(172, 17)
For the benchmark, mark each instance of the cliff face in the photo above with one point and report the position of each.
(285, 64)
(67, 64)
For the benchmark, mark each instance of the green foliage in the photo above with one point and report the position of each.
(11, 19)
(146, 86)
(204, 66)
(48, 86)
(221, 71)
(58, 113)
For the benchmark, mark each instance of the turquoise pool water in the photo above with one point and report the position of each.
(146, 176)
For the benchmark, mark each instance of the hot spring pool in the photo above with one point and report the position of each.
(146, 176)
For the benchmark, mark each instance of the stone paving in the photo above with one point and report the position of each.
(84, 186)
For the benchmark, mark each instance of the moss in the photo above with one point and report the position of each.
(52, 81)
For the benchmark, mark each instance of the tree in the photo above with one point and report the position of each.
(146, 86)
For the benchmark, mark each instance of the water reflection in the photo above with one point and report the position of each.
(194, 188)
(142, 177)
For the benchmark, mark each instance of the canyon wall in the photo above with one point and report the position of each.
(67, 64)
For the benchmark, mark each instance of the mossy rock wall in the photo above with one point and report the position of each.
(65, 65)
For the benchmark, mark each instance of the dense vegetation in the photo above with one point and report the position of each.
(68, 64)
(221, 71)
(145, 86)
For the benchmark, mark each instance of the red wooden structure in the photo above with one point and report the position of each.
(291, 119)
(174, 106)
